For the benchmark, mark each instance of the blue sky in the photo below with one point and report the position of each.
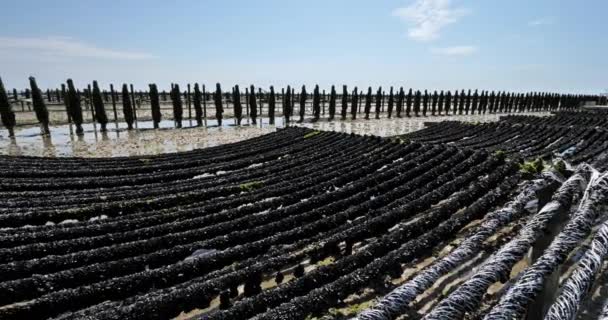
(551, 45)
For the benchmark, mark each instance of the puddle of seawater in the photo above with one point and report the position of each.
(386, 127)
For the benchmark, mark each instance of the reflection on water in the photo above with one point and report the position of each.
(121, 142)
(396, 126)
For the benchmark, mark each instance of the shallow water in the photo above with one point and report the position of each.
(145, 141)
(385, 127)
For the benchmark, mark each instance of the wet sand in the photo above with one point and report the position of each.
(146, 141)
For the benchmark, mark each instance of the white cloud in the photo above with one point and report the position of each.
(426, 18)
(455, 50)
(65, 46)
(544, 21)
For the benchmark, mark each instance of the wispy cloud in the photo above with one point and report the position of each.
(66, 46)
(456, 50)
(426, 18)
(544, 21)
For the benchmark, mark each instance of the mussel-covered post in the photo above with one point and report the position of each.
(188, 93)
(468, 102)
(261, 100)
(271, 105)
(491, 102)
(475, 102)
(400, 101)
(378, 102)
(133, 105)
(417, 102)
(440, 101)
(368, 102)
(253, 105)
(408, 103)
(425, 102)
(344, 107)
(316, 104)
(74, 108)
(237, 106)
(42, 113)
(217, 99)
(434, 99)
(332, 103)
(303, 97)
(461, 100)
(113, 96)
(6, 112)
(287, 105)
(176, 99)
(246, 102)
(353, 105)
(127, 109)
(100, 110)
(198, 107)
(448, 102)
(155, 105)
(391, 102)
(205, 104)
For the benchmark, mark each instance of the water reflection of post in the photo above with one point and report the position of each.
(95, 132)
(131, 135)
(49, 148)
(14, 149)
(71, 134)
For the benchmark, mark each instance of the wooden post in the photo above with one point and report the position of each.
(134, 106)
(189, 105)
(247, 103)
(205, 105)
(113, 102)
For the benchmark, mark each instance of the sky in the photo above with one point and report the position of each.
(516, 45)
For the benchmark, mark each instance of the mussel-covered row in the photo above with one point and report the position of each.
(249, 230)
(566, 136)
(153, 237)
